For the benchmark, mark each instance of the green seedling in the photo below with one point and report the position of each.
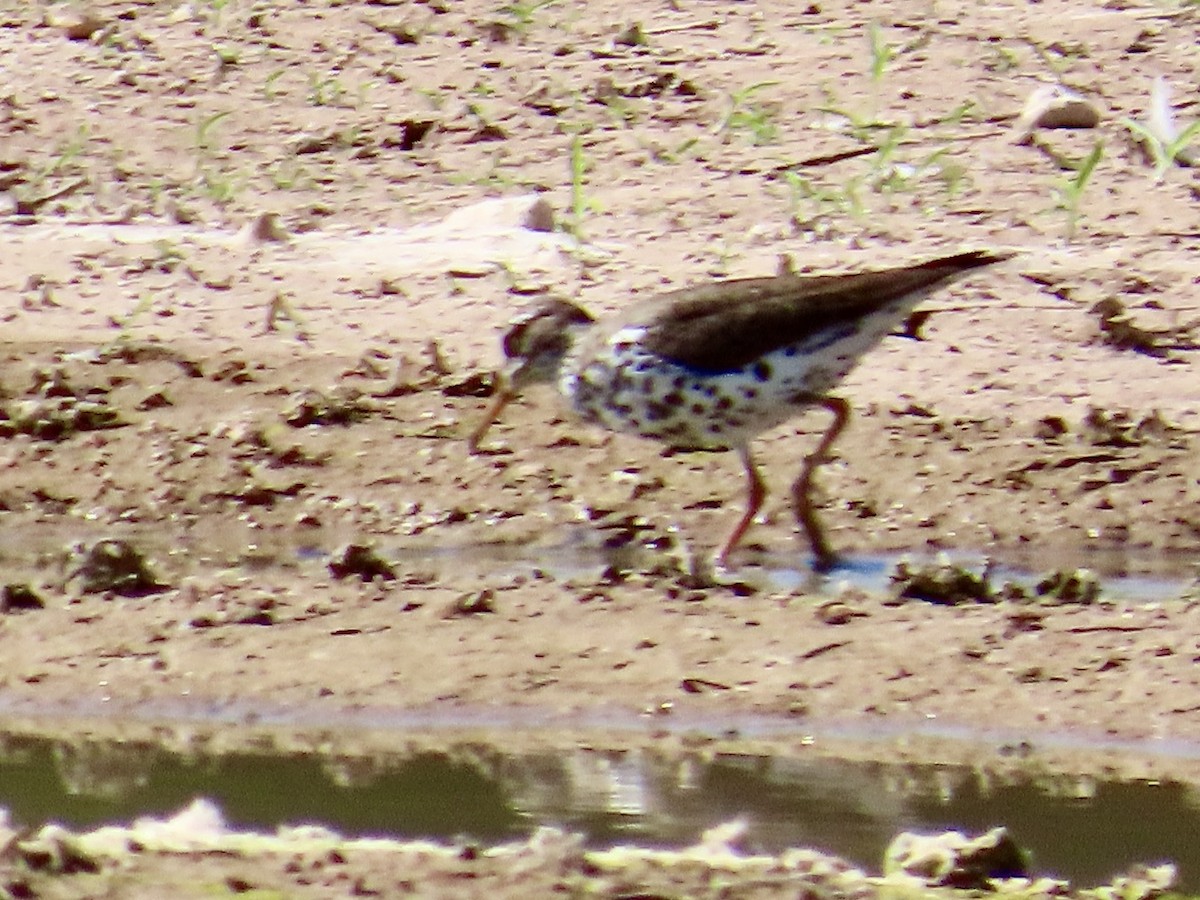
(435, 98)
(281, 308)
(325, 91)
(125, 322)
(214, 186)
(1003, 59)
(890, 174)
(205, 129)
(901, 176)
(884, 159)
(168, 255)
(748, 115)
(1058, 58)
(1165, 153)
(269, 91)
(861, 127)
(966, 111)
(621, 110)
(668, 156)
(288, 174)
(685, 148)
(953, 175)
(220, 188)
(483, 120)
(227, 57)
(1159, 134)
(37, 192)
(521, 17)
(824, 202)
(882, 53)
(69, 152)
(581, 205)
(1068, 192)
(725, 254)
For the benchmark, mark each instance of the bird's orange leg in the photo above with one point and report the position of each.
(756, 492)
(499, 401)
(806, 514)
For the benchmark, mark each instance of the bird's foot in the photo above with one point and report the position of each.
(826, 561)
(476, 450)
(702, 572)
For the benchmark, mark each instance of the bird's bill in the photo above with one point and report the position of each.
(504, 395)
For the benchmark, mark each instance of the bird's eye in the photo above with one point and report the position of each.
(512, 342)
(516, 340)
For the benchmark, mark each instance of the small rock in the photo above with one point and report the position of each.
(835, 612)
(940, 582)
(530, 211)
(154, 400)
(314, 408)
(472, 384)
(1142, 883)
(77, 24)
(115, 565)
(362, 561)
(262, 229)
(630, 36)
(1050, 428)
(19, 596)
(954, 860)
(472, 604)
(1080, 586)
(1052, 106)
(55, 850)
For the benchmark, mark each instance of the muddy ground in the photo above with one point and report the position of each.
(254, 304)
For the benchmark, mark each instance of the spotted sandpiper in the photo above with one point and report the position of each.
(710, 367)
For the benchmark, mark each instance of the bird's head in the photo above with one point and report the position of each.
(534, 345)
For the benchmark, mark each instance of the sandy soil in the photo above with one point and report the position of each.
(255, 305)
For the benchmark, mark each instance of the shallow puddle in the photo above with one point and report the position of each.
(579, 553)
(1077, 828)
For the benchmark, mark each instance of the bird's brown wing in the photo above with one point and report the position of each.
(726, 325)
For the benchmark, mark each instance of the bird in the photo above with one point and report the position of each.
(712, 366)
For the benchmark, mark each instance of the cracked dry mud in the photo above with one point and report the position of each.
(254, 305)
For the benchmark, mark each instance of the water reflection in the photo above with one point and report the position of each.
(1076, 827)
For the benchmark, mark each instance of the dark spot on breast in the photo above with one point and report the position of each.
(709, 390)
(656, 412)
(761, 371)
(678, 382)
(790, 352)
(724, 403)
(749, 393)
(699, 409)
(673, 399)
